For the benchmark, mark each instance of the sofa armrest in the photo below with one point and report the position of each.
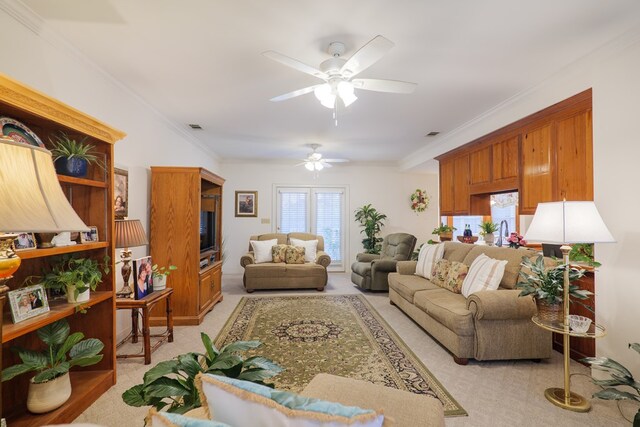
(323, 259)
(501, 305)
(383, 265)
(406, 267)
(362, 257)
(247, 259)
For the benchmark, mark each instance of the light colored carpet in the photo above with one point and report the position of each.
(493, 393)
(335, 334)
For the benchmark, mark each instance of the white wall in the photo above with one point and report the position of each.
(612, 72)
(44, 62)
(384, 187)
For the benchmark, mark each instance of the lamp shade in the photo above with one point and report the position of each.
(568, 222)
(129, 233)
(31, 198)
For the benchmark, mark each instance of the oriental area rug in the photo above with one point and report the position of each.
(336, 334)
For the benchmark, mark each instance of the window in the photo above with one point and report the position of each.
(459, 223)
(504, 207)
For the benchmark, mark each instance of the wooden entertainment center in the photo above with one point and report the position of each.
(186, 231)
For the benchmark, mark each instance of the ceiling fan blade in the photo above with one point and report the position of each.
(379, 85)
(295, 93)
(326, 165)
(295, 64)
(336, 160)
(366, 56)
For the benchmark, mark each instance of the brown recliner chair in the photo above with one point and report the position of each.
(370, 270)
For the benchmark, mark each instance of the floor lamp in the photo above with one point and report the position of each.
(564, 223)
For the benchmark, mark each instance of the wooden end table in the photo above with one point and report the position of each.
(145, 305)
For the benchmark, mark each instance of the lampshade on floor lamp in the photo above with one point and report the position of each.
(563, 223)
(129, 234)
(31, 200)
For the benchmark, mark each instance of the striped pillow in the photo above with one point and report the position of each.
(484, 274)
(429, 255)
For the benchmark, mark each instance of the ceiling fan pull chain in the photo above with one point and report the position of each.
(335, 111)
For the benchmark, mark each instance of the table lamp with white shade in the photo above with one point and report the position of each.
(129, 234)
(565, 223)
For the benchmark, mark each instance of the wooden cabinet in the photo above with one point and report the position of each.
(574, 157)
(186, 201)
(505, 164)
(480, 166)
(461, 185)
(537, 183)
(446, 187)
(91, 197)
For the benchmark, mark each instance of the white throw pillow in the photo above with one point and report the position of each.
(310, 248)
(427, 258)
(484, 274)
(262, 250)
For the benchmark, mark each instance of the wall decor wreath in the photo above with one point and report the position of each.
(419, 201)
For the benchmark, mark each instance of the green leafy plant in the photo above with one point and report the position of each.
(620, 376)
(79, 273)
(547, 282)
(488, 227)
(583, 252)
(372, 222)
(63, 352)
(443, 229)
(171, 384)
(66, 147)
(162, 271)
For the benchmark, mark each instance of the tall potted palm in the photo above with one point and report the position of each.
(371, 222)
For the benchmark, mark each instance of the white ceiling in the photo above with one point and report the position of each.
(199, 61)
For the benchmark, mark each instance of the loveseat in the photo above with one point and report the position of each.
(279, 275)
(489, 325)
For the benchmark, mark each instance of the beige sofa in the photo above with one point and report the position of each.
(489, 325)
(272, 275)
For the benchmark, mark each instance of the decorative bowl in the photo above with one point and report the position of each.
(579, 324)
(472, 239)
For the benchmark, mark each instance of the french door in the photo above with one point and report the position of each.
(316, 210)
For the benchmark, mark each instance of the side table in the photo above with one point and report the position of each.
(145, 305)
(563, 397)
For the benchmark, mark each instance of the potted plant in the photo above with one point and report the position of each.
(620, 376)
(171, 384)
(546, 284)
(583, 253)
(445, 232)
(71, 157)
(372, 221)
(487, 228)
(75, 276)
(51, 386)
(160, 276)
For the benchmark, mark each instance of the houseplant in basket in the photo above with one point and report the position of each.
(51, 386)
(160, 276)
(71, 157)
(487, 229)
(545, 283)
(445, 232)
(75, 276)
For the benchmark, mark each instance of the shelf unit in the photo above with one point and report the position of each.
(91, 197)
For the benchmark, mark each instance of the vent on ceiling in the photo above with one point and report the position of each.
(432, 133)
(195, 126)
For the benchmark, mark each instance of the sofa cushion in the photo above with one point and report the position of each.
(278, 253)
(455, 251)
(427, 258)
(265, 270)
(262, 250)
(447, 308)
(283, 271)
(308, 236)
(280, 237)
(455, 277)
(408, 285)
(361, 268)
(484, 274)
(512, 256)
(440, 272)
(294, 255)
(310, 248)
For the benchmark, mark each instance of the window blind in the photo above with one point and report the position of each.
(328, 222)
(294, 212)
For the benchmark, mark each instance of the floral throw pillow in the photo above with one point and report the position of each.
(278, 253)
(440, 272)
(457, 272)
(294, 255)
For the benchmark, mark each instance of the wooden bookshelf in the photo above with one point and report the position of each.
(92, 199)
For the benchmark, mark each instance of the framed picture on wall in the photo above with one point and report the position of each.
(247, 203)
(121, 193)
(143, 277)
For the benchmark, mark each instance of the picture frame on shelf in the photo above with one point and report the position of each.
(143, 277)
(120, 193)
(27, 302)
(24, 241)
(246, 203)
(90, 236)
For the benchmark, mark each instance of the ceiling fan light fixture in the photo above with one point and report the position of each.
(325, 95)
(345, 90)
(309, 166)
(319, 166)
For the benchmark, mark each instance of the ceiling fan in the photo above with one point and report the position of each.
(315, 162)
(338, 74)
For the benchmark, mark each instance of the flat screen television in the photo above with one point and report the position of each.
(207, 230)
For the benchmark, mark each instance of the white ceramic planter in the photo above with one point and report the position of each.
(489, 239)
(159, 283)
(48, 396)
(71, 295)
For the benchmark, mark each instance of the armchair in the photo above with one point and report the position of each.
(370, 270)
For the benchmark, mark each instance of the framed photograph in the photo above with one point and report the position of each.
(27, 302)
(247, 203)
(89, 236)
(143, 279)
(24, 241)
(121, 193)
